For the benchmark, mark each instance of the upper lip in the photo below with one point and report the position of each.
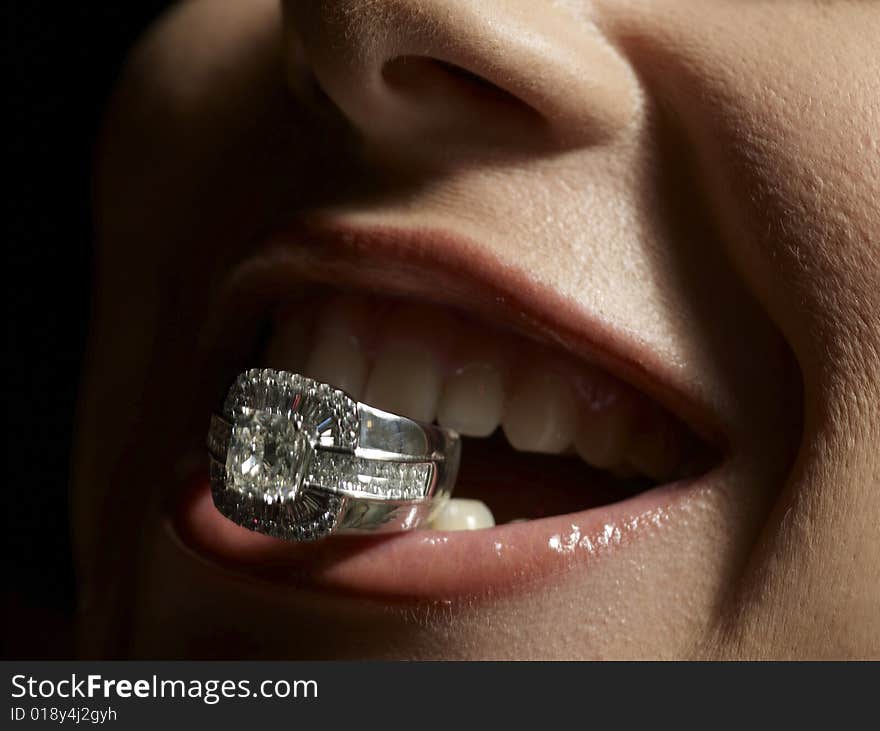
(434, 266)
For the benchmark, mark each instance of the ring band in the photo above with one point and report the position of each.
(298, 459)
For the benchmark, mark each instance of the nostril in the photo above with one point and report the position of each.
(421, 78)
(443, 81)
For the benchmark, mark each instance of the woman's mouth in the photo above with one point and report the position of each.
(562, 458)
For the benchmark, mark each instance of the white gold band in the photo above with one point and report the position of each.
(298, 459)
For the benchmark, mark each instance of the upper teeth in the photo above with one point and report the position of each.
(541, 414)
(405, 379)
(435, 366)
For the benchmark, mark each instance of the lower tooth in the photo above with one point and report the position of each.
(462, 514)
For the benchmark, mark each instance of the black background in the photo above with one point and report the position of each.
(61, 60)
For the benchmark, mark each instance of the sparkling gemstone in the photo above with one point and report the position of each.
(268, 456)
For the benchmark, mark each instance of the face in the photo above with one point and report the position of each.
(629, 250)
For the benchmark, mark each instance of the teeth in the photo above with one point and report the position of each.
(337, 355)
(655, 451)
(472, 400)
(461, 514)
(289, 345)
(541, 413)
(337, 359)
(603, 434)
(406, 380)
(459, 376)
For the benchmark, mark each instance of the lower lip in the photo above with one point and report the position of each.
(433, 565)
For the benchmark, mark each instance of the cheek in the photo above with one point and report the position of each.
(785, 144)
(785, 148)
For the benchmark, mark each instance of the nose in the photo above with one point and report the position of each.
(439, 75)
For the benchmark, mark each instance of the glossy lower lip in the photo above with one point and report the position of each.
(433, 565)
(433, 266)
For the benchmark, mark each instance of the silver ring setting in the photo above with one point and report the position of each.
(299, 460)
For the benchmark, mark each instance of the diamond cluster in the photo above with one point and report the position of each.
(312, 515)
(290, 455)
(327, 415)
(268, 456)
(278, 419)
(337, 472)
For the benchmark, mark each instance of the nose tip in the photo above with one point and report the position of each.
(452, 73)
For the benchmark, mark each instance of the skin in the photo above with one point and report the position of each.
(701, 178)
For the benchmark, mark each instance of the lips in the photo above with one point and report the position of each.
(590, 508)
(437, 565)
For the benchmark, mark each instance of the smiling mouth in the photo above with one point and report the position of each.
(561, 456)
(545, 434)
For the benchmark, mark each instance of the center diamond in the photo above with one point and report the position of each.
(268, 456)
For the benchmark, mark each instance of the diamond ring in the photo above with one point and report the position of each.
(298, 459)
